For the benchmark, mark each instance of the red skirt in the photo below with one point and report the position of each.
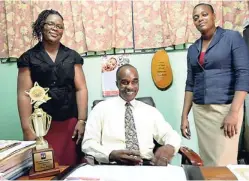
(59, 136)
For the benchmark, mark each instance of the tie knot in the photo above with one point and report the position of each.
(127, 104)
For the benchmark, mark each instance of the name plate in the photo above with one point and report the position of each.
(43, 160)
(161, 70)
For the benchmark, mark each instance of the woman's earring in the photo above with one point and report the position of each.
(40, 37)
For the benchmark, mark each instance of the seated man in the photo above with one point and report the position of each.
(122, 129)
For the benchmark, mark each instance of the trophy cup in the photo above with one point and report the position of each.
(42, 154)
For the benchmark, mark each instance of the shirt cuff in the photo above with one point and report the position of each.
(105, 156)
(176, 144)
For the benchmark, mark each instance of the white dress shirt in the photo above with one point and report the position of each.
(105, 129)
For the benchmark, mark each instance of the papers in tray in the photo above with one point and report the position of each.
(124, 173)
(10, 147)
(240, 171)
(15, 157)
(18, 169)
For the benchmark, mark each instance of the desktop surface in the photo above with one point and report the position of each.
(208, 173)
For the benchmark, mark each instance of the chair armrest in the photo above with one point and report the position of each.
(190, 157)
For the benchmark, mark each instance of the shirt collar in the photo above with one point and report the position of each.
(123, 102)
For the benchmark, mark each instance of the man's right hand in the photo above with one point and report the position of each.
(185, 128)
(126, 157)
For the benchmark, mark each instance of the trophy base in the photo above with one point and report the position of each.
(42, 174)
(43, 163)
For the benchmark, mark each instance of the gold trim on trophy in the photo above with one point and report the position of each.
(38, 95)
(40, 123)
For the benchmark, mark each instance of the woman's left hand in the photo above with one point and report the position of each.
(230, 124)
(79, 131)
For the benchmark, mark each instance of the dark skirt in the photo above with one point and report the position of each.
(59, 136)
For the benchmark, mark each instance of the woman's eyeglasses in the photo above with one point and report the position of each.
(53, 25)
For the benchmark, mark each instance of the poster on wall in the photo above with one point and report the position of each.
(109, 66)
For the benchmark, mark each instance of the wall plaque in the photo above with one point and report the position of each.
(161, 70)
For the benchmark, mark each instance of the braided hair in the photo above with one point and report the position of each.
(38, 25)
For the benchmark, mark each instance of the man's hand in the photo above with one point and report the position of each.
(163, 155)
(230, 124)
(79, 131)
(126, 157)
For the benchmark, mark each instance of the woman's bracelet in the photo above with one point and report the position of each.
(82, 121)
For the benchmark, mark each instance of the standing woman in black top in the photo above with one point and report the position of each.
(59, 68)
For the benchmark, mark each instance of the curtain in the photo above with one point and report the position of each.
(103, 25)
(167, 23)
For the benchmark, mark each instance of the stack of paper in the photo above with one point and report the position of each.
(15, 157)
(240, 171)
(124, 173)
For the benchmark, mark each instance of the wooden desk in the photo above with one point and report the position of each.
(217, 173)
(26, 177)
(209, 173)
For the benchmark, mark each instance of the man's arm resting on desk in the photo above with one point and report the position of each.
(125, 157)
(163, 155)
(165, 135)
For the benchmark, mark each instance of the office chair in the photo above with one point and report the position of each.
(189, 157)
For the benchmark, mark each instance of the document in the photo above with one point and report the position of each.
(125, 173)
(240, 171)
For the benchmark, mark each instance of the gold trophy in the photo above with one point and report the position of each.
(40, 121)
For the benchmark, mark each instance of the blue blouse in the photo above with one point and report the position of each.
(225, 69)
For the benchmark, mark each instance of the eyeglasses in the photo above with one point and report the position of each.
(53, 25)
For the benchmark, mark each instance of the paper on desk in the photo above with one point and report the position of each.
(240, 171)
(125, 173)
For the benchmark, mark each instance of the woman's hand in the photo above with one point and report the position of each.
(185, 128)
(79, 131)
(230, 124)
(28, 135)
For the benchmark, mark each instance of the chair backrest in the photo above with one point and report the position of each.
(146, 100)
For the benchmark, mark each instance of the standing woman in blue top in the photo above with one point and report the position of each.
(59, 68)
(217, 84)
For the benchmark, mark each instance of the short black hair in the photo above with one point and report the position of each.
(123, 66)
(38, 25)
(205, 4)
